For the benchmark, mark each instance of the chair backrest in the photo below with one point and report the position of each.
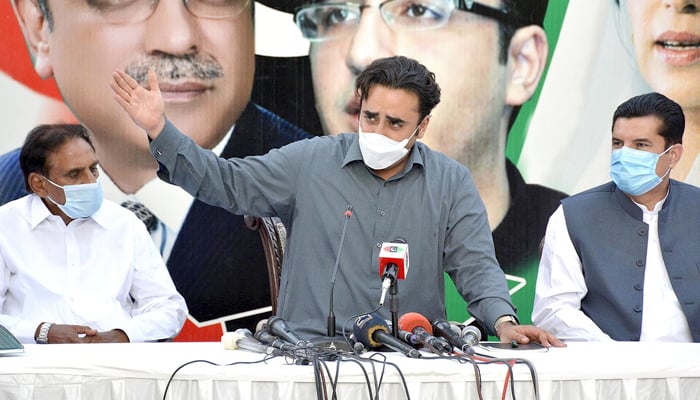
(274, 236)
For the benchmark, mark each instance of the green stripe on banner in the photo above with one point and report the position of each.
(552, 26)
(522, 288)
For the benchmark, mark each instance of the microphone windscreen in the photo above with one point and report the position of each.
(365, 327)
(229, 340)
(410, 321)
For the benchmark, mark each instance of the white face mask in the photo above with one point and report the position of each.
(380, 152)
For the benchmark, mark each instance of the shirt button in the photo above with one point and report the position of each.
(637, 286)
(642, 231)
(159, 152)
(640, 263)
(638, 308)
(382, 213)
(379, 245)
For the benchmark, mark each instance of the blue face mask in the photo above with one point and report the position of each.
(81, 200)
(634, 171)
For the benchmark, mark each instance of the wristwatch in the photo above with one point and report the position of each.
(502, 319)
(43, 337)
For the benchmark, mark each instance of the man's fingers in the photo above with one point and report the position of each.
(119, 92)
(128, 80)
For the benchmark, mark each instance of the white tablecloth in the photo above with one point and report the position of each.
(606, 371)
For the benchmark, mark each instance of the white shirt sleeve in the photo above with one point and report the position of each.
(561, 286)
(158, 311)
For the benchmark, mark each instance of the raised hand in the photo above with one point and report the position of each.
(145, 106)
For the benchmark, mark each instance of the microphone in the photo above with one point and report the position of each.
(444, 329)
(243, 339)
(373, 332)
(471, 334)
(393, 264)
(265, 336)
(409, 338)
(419, 326)
(279, 328)
(330, 326)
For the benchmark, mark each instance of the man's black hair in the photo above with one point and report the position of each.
(657, 105)
(400, 72)
(44, 140)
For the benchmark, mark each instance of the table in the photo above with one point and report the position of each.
(621, 370)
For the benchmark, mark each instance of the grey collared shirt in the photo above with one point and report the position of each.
(432, 204)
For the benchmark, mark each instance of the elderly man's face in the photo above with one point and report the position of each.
(205, 66)
(666, 36)
(464, 55)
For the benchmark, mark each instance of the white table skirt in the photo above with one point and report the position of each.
(606, 371)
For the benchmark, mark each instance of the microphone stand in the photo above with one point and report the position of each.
(394, 308)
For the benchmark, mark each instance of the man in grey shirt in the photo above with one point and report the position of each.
(397, 187)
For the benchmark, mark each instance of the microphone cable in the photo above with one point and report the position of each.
(172, 376)
(509, 382)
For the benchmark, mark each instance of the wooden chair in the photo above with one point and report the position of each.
(274, 236)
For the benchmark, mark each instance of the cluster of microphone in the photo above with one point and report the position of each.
(416, 332)
(272, 337)
(275, 338)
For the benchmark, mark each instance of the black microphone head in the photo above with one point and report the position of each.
(279, 328)
(265, 336)
(365, 326)
(443, 328)
(400, 240)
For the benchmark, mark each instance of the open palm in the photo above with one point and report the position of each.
(145, 106)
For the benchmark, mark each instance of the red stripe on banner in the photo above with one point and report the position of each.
(191, 333)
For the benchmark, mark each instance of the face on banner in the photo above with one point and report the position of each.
(666, 36)
(463, 53)
(205, 65)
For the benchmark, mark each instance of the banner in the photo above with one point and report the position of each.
(528, 114)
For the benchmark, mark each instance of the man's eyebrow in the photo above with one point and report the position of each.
(395, 120)
(370, 114)
(72, 171)
(643, 140)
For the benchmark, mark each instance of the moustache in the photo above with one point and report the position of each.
(175, 67)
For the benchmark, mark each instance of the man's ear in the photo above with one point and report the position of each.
(423, 126)
(676, 153)
(36, 183)
(527, 57)
(35, 28)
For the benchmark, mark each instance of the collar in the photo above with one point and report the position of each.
(637, 210)
(39, 212)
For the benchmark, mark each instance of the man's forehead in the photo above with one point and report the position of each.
(646, 127)
(71, 150)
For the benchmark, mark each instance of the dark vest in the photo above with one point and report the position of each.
(610, 238)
